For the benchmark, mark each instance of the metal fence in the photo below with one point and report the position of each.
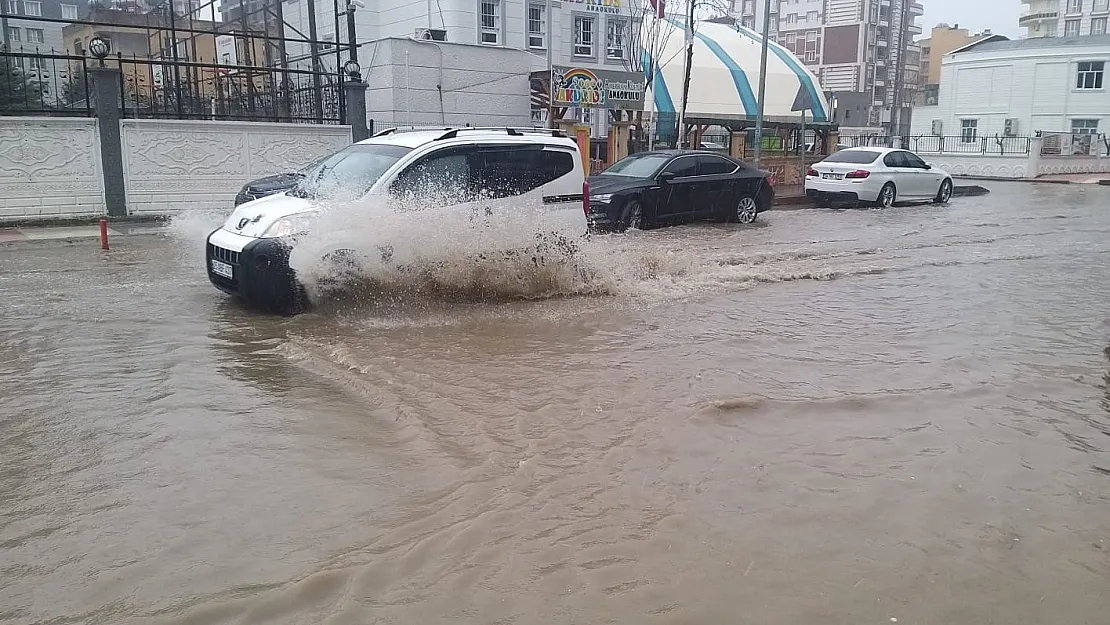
(44, 84)
(58, 85)
(968, 144)
(188, 90)
(1068, 144)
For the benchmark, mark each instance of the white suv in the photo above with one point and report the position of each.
(466, 169)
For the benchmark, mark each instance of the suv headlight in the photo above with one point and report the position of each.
(602, 198)
(289, 225)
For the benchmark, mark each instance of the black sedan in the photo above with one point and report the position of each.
(677, 186)
(269, 185)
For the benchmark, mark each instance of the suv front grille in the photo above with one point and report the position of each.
(225, 255)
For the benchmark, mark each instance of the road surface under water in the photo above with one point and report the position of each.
(828, 417)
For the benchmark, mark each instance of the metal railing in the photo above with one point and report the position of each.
(44, 84)
(1068, 144)
(166, 89)
(968, 144)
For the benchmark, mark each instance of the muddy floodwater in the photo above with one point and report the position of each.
(829, 417)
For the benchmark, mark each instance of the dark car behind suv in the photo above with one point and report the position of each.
(677, 186)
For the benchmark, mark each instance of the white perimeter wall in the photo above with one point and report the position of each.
(49, 167)
(171, 166)
(974, 165)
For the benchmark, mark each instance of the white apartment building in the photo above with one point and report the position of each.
(478, 53)
(997, 87)
(1065, 18)
(854, 46)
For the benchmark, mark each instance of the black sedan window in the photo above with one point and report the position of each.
(637, 165)
(683, 166)
(713, 165)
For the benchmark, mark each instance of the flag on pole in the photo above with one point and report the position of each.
(658, 5)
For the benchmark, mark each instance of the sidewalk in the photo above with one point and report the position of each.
(75, 233)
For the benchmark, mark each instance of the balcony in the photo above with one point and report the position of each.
(1034, 18)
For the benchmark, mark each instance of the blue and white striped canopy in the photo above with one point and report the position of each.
(724, 80)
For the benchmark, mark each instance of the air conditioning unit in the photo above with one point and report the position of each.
(1011, 128)
(938, 128)
(431, 34)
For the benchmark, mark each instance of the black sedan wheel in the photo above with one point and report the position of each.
(632, 216)
(746, 210)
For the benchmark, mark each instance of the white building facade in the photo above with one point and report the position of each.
(477, 53)
(998, 87)
(1065, 18)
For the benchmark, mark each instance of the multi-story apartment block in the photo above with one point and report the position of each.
(1065, 18)
(854, 46)
(942, 40)
(23, 26)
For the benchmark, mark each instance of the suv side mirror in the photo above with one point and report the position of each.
(665, 177)
(928, 165)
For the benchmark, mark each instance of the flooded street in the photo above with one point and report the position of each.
(828, 417)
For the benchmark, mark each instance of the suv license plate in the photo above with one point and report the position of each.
(222, 269)
(832, 176)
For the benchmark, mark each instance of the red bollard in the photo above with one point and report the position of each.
(103, 234)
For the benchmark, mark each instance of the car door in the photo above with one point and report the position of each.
(927, 179)
(715, 192)
(678, 197)
(899, 174)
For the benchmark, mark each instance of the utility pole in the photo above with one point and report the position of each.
(762, 82)
(686, 73)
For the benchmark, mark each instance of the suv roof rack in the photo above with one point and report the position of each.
(396, 129)
(452, 133)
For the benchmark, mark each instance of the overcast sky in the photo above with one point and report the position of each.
(1000, 16)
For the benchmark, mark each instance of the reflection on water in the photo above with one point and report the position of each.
(851, 416)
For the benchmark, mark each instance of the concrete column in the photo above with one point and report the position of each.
(1033, 168)
(833, 143)
(105, 92)
(738, 144)
(355, 95)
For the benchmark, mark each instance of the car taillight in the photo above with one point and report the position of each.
(857, 174)
(811, 173)
(586, 197)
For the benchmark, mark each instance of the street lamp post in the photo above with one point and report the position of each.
(762, 82)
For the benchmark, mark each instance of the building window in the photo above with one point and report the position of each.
(583, 35)
(811, 56)
(1098, 26)
(791, 38)
(1084, 126)
(35, 35)
(69, 11)
(811, 36)
(748, 22)
(1090, 75)
(491, 21)
(1071, 28)
(791, 18)
(615, 30)
(811, 16)
(1075, 6)
(13, 7)
(32, 8)
(536, 27)
(774, 24)
(78, 47)
(749, 7)
(1101, 5)
(14, 33)
(969, 130)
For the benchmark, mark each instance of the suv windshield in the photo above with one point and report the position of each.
(350, 171)
(854, 157)
(637, 165)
